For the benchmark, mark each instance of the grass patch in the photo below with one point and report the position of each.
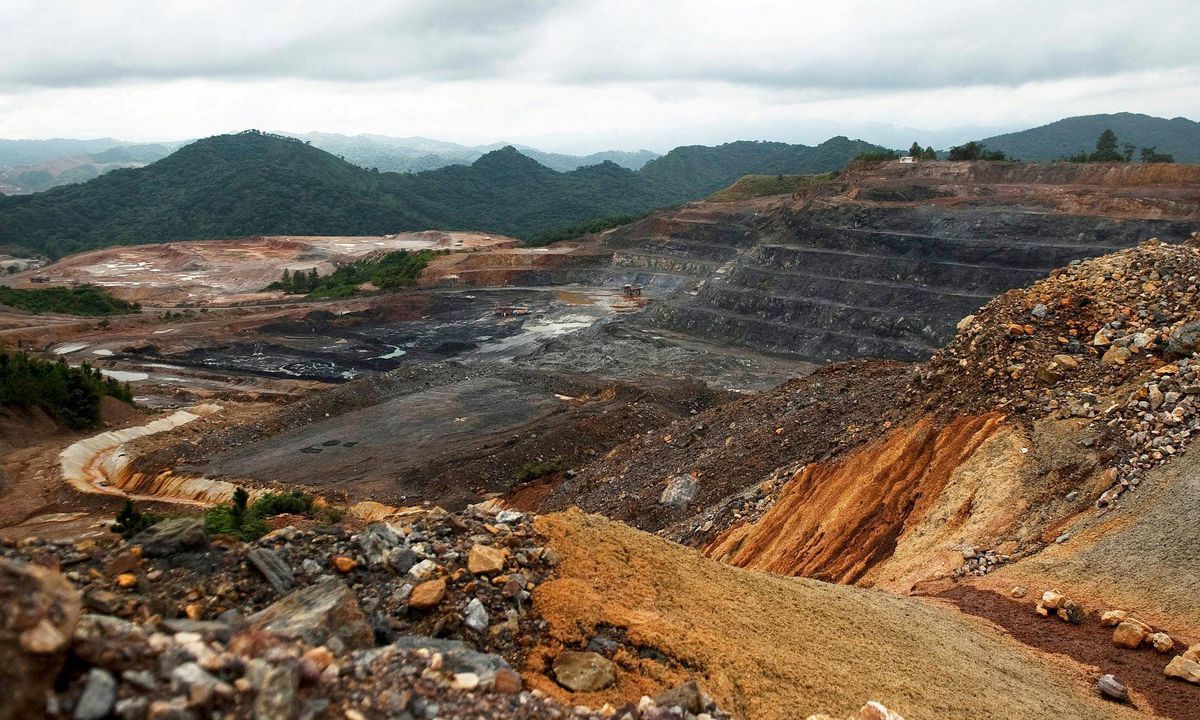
(539, 468)
(247, 521)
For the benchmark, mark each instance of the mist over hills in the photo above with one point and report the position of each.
(258, 183)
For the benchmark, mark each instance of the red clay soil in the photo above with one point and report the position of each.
(1090, 644)
(834, 521)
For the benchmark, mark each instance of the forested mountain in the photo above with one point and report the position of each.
(69, 169)
(257, 183)
(1178, 136)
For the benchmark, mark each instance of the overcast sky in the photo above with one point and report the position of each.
(581, 75)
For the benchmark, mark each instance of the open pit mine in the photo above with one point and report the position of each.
(911, 442)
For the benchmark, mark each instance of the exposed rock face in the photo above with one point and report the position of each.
(868, 268)
(38, 613)
(316, 613)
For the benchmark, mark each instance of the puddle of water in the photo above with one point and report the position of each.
(395, 353)
(102, 352)
(124, 375)
(67, 349)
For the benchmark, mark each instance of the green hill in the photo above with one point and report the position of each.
(1178, 136)
(256, 183)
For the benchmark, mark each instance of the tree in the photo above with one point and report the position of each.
(285, 282)
(929, 154)
(1106, 148)
(1128, 154)
(915, 150)
(1151, 155)
(312, 279)
(975, 151)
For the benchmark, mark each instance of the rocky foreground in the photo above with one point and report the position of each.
(423, 617)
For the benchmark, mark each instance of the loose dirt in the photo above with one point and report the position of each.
(769, 647)
(1089, 644)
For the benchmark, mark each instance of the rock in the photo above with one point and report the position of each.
(422, 570)
(174, 710)
(1039, 310)
(1051, 599)
(376, 541)
(1111, 688)
(1113, 618)
(1019, 592)
(401, 560)
(99, 694)
(276, 697)
(313, 662)
(875, 711)
(1116, 355)
(1130, 634)
(317, 613)
(39, 610)
(1192, 653)
(584, 671)
(272, 567)
(686, 697)
(1071, 612)
(1184, 342)
(507, 681)
(680, 491)
(457, 657)
(172, 536)
(1050, 373)
(344, 564)
(134, 708)
(1184, 669)
(509, 517)
(103, 601)
(476, 616)
(428, 594)
(123, 562)
(126, 580)
(1066, 362)
(464, 681)
(1161, 642)
(486, 560)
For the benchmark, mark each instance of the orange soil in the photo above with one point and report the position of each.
(835, 521)
(770, 647)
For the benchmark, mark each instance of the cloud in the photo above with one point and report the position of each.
(853, 44)
(585, 74)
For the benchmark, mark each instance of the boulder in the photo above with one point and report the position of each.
(680, 491)
(1185, 341)
(1051, 599)
(1130, 634)
(486, 560)
(317, 613)
(38, 613)
(476, 616)
(1192, 653)
(172, 536)
(1184, 669)
(1070, 611)
(272, 567)
(584, 671)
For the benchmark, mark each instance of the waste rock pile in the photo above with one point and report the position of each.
(425, 616)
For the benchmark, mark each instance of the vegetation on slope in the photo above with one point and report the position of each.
(387, 272)
(248, 520)
(578, 230)
(81, 300)
(1178, 136)
(71, 394)
(255, 183)
(751, 186)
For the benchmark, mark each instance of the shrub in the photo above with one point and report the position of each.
(539, 468)
(131, 521)
(248, 521)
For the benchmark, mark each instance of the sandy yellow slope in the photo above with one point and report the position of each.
(773, 647)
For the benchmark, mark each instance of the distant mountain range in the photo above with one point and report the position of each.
(1177, 136)
(28, 166)
(258, 183)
